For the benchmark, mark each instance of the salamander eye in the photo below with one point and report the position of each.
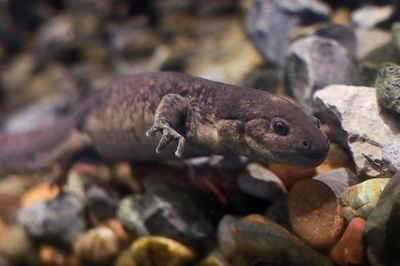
(279, 126)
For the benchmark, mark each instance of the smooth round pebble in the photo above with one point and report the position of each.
(315, 214)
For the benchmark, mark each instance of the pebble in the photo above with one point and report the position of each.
(129, 212)
(17, 247)
(260, 182)
(60, 219)
(9, 208)
(215, 258)
(366, 137)
(98, 246)
(52, 256)
(369, 16)
(337, 158)
(370, 39)
(261, 240)
(269, 22)
(160, 251)
(278, 212)
(315, 62)
(100, 203)
(315, 213)
(360, 200)
(338, 180)
(382, 232)
(39, 192)
(176, 213)
(387, 87)
(350, 249)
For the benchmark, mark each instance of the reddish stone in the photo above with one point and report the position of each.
(350, 249)
(290, 175)
(315, 213)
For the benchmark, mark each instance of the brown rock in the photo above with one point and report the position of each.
(51, 256)
(315, 214)
(350, 250)
(9, 207)
(290, 175)
(336, 158)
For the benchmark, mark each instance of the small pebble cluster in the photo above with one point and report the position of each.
(338, 59)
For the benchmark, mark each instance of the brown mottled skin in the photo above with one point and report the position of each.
(197, 117)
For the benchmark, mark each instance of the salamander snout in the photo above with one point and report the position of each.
(316, 147)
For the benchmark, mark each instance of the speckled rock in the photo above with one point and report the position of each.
(315, 213)
(260, 182)
(382, 233)
(258, 239)
(387, 86)
(268, 23)
(60, 219)
(160, 251)
(360, 200)
(373, 140)
(314, 63)
(350, 249)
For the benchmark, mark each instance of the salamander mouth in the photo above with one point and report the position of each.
(299, 160)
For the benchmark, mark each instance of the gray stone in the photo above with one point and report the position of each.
(176, 212)
(361, 127)
(60, 219)
(314, 63)
(101, 204)
(369, 16)
(260, 182)
(383, 231)
(129, 212)
(268, 23)
(39, 114)
(340, 33)
(387, 86)
(370, 39)
(338, 179)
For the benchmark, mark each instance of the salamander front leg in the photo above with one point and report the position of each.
(170, 120)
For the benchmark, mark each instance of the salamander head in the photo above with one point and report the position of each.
(269, 127)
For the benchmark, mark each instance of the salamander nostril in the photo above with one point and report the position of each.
(305, 143)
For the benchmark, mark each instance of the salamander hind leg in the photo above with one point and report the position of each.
(170, 120)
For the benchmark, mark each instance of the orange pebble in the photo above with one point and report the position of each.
(39, 192)
(349, 250)
(50, 256)
(290, 175)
